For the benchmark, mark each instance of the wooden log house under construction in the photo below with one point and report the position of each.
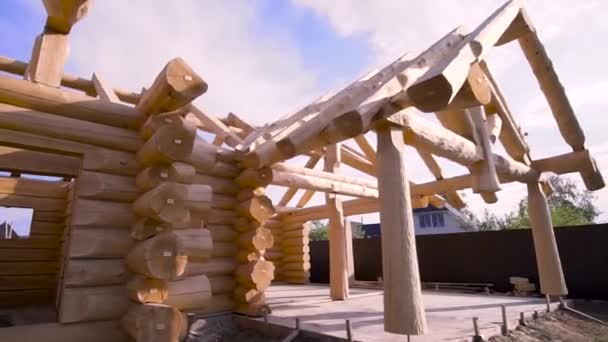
(151, 221)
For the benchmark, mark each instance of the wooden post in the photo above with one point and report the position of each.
(547, 257)
(49, 55)
(338, 272)
(350, 260)
(403, 307)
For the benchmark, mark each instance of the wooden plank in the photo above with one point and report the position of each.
(32, 187)
(29, 282)
(23, 254)
(49, 216)
(29, 267)
(37, 203)
(18, 298)
(33, 242)
(29, 161)
(46, 228)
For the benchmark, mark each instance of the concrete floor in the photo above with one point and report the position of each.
(449, 315)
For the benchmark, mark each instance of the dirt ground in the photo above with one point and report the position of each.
(558, 326)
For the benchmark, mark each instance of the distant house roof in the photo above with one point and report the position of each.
(429, 208)
(372, 230)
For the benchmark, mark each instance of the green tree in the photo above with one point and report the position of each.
(569, 206)
(319, 230)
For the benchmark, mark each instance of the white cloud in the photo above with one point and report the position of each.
(250, 71)
(396, 26)
(258, 74)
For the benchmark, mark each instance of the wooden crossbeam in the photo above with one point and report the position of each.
(452, 197)
(216, 126)
(510, 136)
(310, 164)
(103, 90)
(367, 149)
(440, 84)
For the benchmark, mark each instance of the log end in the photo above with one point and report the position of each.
(185, 83)
(431, 95)
(62, 15)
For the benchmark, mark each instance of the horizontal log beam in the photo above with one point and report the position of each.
(289, 179)
(57, 101)
(429, 137)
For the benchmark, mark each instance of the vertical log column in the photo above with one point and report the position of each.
(51, 47)
(254, 274)
(547, 257)
(338, 266)
(169, 207)
(403, 307)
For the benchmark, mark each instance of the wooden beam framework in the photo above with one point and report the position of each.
(159, 220)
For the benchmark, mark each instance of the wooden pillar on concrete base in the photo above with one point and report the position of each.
(403, 307)
(338, 275)
(547, 257)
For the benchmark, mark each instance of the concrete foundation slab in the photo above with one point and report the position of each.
(449, 315)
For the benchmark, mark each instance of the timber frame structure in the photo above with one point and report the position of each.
(152, 221)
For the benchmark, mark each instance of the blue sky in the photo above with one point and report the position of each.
(266, 58)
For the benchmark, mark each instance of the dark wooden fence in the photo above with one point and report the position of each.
(488, 257)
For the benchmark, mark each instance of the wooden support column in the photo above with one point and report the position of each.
(49, 54)
(547, 257)
(350, 259)
(338, 272)
(403, 307)
(51, 47)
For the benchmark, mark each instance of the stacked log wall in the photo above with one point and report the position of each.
(291, 253)
(30, 262)
(92, 277)
(254, 273)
